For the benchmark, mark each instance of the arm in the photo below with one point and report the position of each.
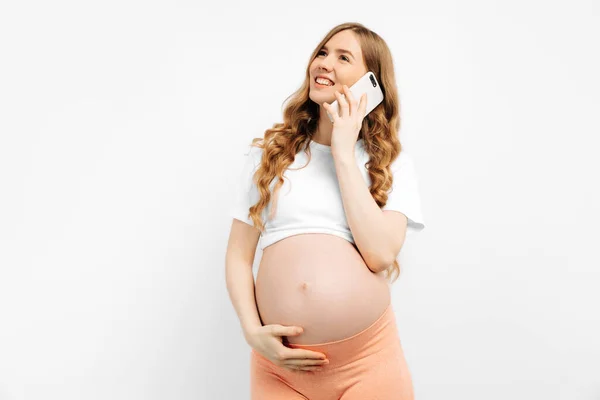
(379, 243)
(239, 258)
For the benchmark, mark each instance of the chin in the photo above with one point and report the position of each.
(321, 99)
(318, 100)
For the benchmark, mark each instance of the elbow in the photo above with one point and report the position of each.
(380, 264)
(385, 265)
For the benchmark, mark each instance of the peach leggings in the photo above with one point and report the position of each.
(369, 365)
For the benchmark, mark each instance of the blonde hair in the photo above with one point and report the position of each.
(379, 130)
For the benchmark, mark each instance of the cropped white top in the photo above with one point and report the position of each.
(310, 201)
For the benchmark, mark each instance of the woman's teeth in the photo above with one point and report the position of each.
(324, 82)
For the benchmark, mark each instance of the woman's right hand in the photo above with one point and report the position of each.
(267, 340)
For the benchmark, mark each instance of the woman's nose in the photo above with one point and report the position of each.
(324, 63)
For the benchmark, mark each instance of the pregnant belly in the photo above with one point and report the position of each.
(321, 283)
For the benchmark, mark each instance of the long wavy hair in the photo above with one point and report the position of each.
(379, 130)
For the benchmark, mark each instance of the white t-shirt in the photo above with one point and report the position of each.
(310, 201)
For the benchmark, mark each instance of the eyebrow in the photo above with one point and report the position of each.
(341, 51)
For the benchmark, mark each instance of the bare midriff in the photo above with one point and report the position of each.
(321, 283)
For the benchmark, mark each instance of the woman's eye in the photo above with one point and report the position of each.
(323, 51)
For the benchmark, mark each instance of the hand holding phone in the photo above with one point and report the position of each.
(366, 84)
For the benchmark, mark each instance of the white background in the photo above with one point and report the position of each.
(123, 126)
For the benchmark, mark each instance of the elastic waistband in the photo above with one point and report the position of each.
(379, 335)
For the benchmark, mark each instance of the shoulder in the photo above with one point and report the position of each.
(253, 150)
(403, 160)
(254, 153)
(405, 156)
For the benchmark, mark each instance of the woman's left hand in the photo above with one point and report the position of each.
(346, 126)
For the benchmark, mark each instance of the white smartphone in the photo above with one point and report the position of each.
(367, 84)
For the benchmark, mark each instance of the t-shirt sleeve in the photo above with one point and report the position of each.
(404, 196)
(245, 190)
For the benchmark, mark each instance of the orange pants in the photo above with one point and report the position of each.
(369, 365)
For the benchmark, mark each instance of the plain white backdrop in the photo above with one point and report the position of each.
(123, 125)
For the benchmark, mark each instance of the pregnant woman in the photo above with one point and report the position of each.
(331, 202)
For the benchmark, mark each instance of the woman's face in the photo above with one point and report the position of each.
(340, 67)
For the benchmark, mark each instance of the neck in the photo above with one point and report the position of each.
(324, 129)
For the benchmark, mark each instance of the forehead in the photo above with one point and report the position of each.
(345, 40)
